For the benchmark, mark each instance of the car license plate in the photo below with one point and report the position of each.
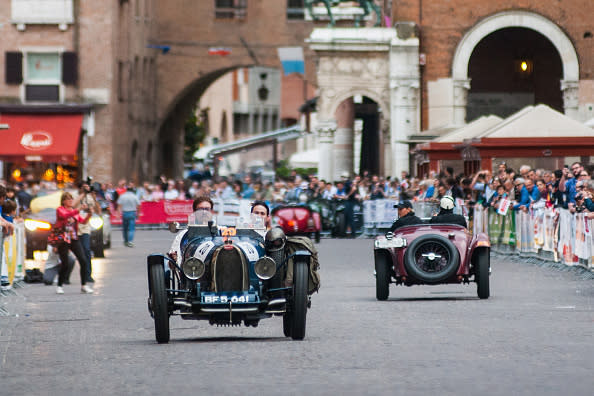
(218, 298)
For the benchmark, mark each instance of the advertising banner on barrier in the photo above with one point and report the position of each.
(160, 212)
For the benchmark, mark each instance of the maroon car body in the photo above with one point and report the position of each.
(429, 254)
(297, 219)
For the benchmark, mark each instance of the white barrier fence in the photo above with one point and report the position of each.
(547, 233)
(12, 255)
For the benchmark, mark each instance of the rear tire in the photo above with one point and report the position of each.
(481, 273)
(159, 303)
(299, 312)
(382, 278)
(317, 236)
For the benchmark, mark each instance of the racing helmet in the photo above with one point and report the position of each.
(447, 202)
(275, 239)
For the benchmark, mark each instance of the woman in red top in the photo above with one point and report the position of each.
(67, 219)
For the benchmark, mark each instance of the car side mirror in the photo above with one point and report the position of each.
(174, 227)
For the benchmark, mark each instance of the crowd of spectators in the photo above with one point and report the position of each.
(570, 187)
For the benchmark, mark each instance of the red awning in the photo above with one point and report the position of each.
(40, 137)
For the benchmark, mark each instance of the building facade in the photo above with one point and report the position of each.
(135, 69)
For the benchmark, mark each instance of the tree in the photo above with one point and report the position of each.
(194, 134)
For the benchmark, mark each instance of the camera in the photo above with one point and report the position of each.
(89, 182)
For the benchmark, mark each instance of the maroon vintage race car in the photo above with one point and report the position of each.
(430, 254)
(298, 219)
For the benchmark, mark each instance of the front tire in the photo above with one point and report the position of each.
(481, 273)
(340, 226)
(159, 303)
(382, 278)
(98, 251)
(299, 312)
(287, 325)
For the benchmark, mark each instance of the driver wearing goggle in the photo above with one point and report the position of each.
(202, 203)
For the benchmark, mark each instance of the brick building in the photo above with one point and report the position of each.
(85, 66)
(134, 69)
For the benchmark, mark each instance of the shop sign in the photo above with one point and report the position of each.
(37, 140)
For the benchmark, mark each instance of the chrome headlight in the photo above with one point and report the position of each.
(265, 268)
(96, 222)
(193, 268)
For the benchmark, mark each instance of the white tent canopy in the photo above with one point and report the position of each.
(537, 122)
(470, 130)
(305, 159)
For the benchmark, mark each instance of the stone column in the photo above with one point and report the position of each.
(386, 152)
(570, 98)
(461, 88)
(325, 131)
(405, 116)
(404, 101)
(343, 138)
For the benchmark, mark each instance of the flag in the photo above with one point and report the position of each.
(292, 60)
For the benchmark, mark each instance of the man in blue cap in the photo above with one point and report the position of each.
(406, 216)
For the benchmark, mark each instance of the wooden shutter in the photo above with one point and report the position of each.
(14, 68)
(69, 68)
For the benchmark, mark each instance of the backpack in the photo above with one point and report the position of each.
(295, 243)
(33, 276)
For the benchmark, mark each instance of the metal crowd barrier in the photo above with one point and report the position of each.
(551, 234)
(12, 262)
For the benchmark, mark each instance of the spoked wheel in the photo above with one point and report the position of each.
(481, 273)
(431, 258)
(159, 303)
(382, 277)
(299, 306)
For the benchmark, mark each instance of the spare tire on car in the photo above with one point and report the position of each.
(431, 258)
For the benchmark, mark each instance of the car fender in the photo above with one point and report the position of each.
(157, 259)
(480, 240)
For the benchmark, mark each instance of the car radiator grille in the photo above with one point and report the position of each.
(229, 269)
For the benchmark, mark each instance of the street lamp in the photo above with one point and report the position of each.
(263, 91)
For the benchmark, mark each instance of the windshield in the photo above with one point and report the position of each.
(200, 217)
(252, 221)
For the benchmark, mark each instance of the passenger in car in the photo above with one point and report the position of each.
(260, 208)
(446, 214)
(406, 216)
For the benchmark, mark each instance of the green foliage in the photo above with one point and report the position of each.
(194, 134)
(283, 170)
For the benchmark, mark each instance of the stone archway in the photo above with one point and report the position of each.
(374, 63)
(508, 19)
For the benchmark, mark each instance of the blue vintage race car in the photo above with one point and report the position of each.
(229, 275)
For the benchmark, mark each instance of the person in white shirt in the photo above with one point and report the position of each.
(128, 204)
(171, 192)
